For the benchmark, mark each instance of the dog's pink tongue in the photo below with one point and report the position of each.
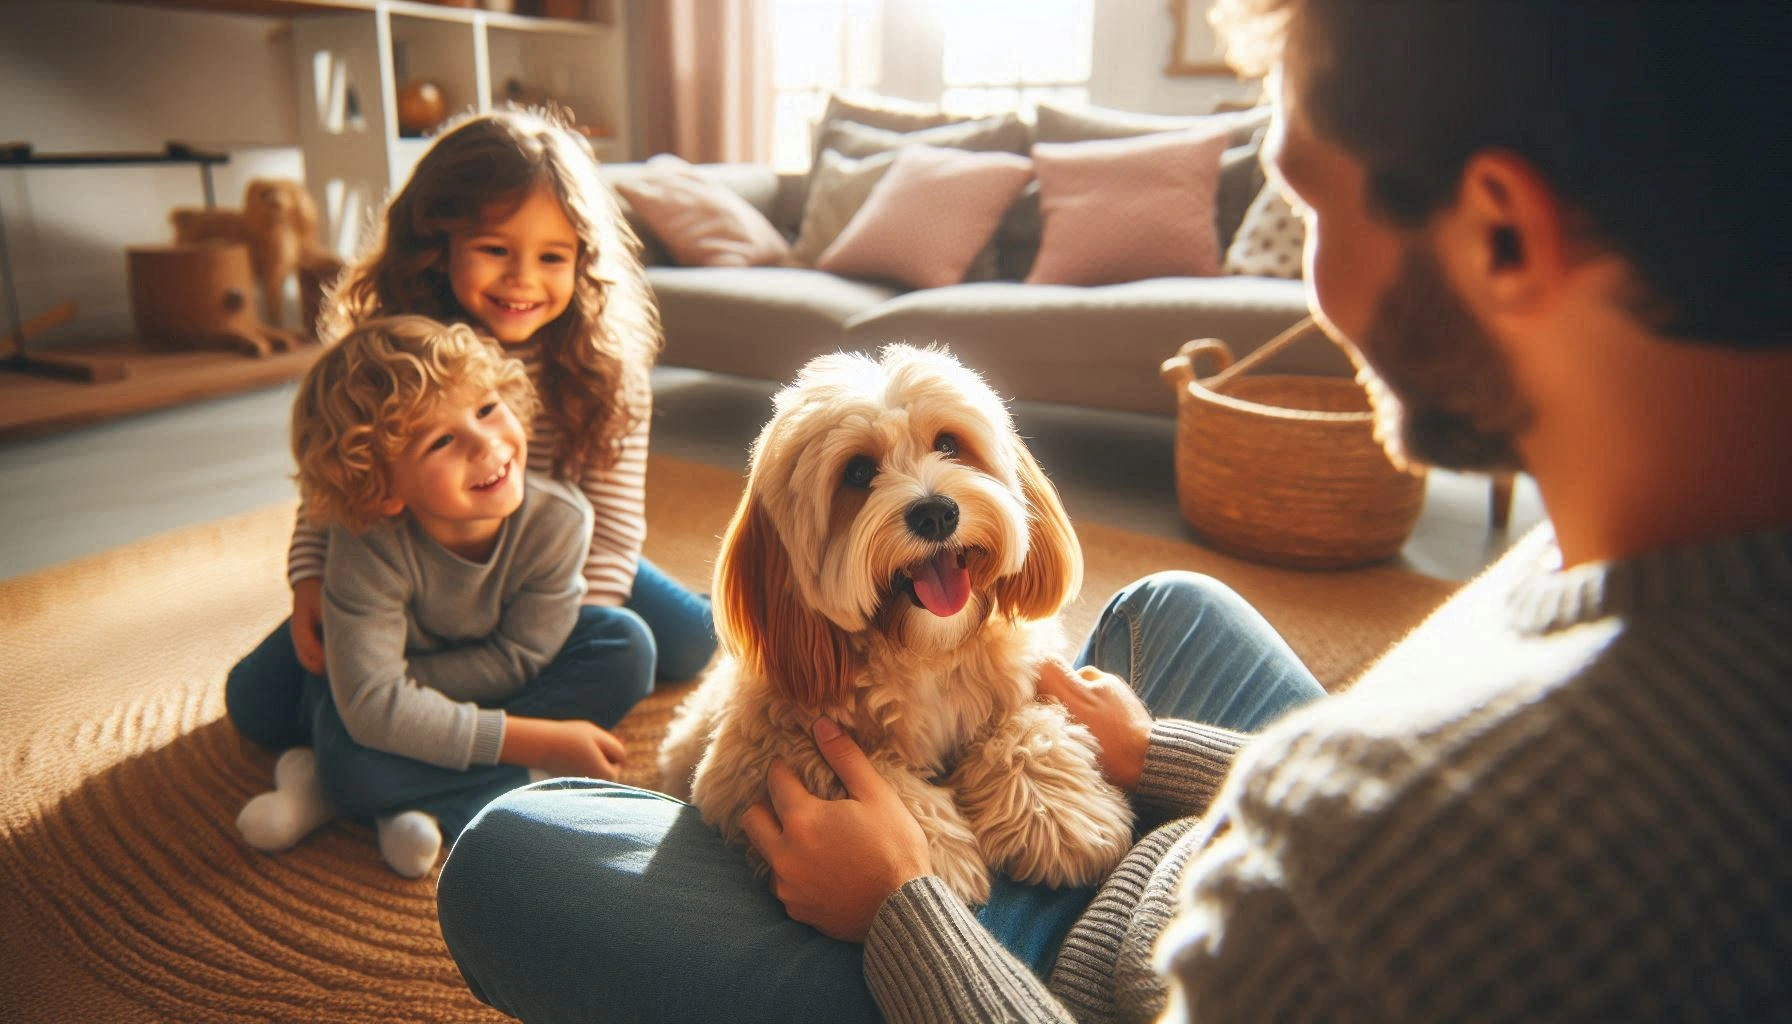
(942, 584)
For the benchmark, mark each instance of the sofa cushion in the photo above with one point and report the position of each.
(1128, 209)
(1270, 241)
(929, 217)
(1088, 123)
(837, 188)
(756, 321)
(1003, 133)
(886, 112)
(757, 184)
(1241, 178)
(1095, 347)
(700, 221)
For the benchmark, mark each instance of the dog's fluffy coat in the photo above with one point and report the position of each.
(844, 588)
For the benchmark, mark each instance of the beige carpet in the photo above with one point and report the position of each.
(125, 893)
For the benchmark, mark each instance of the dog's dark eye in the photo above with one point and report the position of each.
(859, 471)
(946, 445)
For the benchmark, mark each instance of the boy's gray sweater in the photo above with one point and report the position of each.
(420, 643)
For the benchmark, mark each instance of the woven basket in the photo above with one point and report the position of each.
(1285, 469)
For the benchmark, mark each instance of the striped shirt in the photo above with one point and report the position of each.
(617, 495)
(1567, 796)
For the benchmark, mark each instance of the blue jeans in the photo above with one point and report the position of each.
(578, 899)
(265, 692)
(605, 667)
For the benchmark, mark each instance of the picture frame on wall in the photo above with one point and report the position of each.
(1194, 48)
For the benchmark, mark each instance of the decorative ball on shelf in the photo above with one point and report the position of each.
(420, 107)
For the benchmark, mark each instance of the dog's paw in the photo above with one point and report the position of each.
(1034, 794)
(951, 843)
(960, 865)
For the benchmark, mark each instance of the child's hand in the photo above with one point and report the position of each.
(1111, 709)
(574, 747)
(308, 624)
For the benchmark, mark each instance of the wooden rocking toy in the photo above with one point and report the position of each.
(199, 297)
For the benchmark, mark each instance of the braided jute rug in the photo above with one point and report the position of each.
(126, 894)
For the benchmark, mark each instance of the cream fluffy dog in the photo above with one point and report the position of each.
(897, 564)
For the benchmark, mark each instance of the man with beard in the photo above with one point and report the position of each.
(1553, 237)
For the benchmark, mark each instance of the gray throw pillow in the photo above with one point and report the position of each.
(1003, 133)
(1241, 178)
(1084, 124)
(885, 112)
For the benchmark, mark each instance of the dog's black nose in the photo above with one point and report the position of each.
(933, 517)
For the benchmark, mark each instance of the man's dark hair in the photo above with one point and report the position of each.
(1665, 126)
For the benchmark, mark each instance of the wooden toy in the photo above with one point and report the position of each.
(198, 296)
(279, 225)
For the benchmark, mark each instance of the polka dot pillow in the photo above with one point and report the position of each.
(1268, 243)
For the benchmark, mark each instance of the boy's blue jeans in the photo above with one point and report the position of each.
(605, 667)
(580, 900)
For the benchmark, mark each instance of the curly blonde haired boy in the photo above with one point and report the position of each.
(452, 582)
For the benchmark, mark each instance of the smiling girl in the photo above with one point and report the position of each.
(505, 225)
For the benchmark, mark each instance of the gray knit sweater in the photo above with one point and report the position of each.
(422, 642)
(1567, 796)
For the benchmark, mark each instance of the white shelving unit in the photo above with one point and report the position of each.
(352, 60)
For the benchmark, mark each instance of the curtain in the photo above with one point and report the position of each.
(707, 79)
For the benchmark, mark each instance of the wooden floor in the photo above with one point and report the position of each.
(32, 404)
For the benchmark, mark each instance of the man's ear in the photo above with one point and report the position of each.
(1506, 243)
(391, 507)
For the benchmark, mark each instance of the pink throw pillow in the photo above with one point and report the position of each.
(929, 216)
(1128, 209)
(702, 223)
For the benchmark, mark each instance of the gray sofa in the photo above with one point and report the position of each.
(1097, 347)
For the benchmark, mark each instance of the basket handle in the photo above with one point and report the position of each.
(1180, 368)
(1267, 351)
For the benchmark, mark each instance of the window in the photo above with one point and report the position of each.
(820, 46)
(990, 56)
(1010, 54)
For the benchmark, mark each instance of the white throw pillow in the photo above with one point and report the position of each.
(1269, 242)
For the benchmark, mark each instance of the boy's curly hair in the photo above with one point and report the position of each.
(595, 358)
(360, 404)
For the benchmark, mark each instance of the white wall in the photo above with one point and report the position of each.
(1131, 49)
(101, 77)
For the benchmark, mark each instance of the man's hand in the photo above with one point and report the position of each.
(834, 862)
(573, 747)
(308, 624)
(1113, 712)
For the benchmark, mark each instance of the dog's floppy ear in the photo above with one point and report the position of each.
(1053, 571)
(762, 620)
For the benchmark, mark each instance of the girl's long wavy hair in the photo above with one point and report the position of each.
(595, 357)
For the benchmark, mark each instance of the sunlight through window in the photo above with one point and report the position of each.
(821, 46)
(1010, 54)
(992, 55)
